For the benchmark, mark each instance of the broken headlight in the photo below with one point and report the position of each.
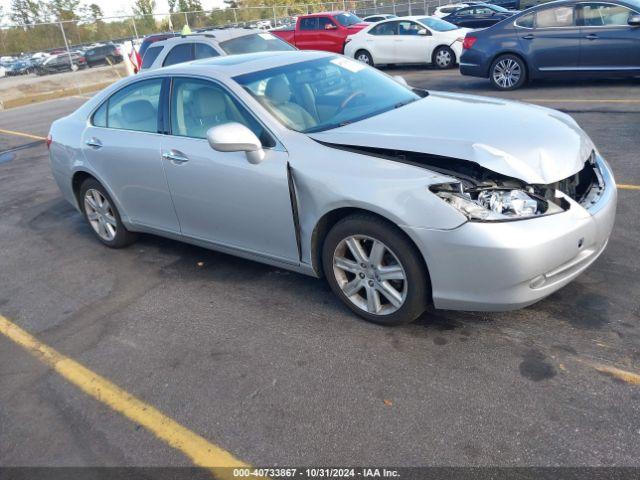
(496, 203)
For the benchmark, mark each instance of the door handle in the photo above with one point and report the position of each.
(591, 36)
(531, 36)
(175, 157)
(93, 142)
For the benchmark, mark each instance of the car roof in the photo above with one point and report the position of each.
(322, 14)
(234, 65)
(214, 35)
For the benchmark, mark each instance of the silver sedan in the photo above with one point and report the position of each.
(316, 163)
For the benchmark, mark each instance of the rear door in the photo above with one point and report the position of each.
(553, 44)
(609, 42)
(122, 144)
(307, 35)
(183, 52)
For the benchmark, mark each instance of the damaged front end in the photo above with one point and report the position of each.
(494, 197)
(484, 195)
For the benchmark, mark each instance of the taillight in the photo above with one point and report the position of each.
(48, 141)
(468, 42)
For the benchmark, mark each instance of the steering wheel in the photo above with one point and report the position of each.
(350, 98)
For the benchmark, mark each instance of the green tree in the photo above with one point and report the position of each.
(144, 10)
(24, 12)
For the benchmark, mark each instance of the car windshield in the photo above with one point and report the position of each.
(326, 93)
(346, 19)
(635, 4)
(437, 24)
(498, 8)
(259, 42)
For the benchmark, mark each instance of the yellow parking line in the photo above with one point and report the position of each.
(623, 186)
(22, 134)
(199, 450)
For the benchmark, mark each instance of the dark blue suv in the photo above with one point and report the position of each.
(562, 38)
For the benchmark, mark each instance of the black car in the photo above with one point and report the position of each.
(564, 38)
(103, 55)
(478, 16)
(61, 62)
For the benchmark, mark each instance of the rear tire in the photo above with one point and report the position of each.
(443, 58)
(508, 72)
(385, 281)
(364, 57)
(102, 215)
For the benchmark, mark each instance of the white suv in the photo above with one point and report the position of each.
(210, 43)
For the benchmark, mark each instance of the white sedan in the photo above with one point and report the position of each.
(416, 39)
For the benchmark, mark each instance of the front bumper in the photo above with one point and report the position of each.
(509, 265)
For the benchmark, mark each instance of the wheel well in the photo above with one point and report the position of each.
(77, 180)
(327, 222)
(515, 54)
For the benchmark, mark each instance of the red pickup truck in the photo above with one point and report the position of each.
(322, 31)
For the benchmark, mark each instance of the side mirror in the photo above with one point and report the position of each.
(330, 26)
(423, 31)
(634, 20)
(235, 137)
(400, 79)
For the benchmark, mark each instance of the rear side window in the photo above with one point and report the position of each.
(387, 28)
(179, 54)
(555, 17)
(309, 23)
(135, 107)
(526, 21)
(150, 56)
(202, 50)
(100, 116)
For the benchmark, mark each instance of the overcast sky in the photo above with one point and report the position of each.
(119, 7)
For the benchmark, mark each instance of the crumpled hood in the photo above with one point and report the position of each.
(534, 144)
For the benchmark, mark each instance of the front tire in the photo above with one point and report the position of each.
(364, 57)
(443, 58)
(103, 216)
(375, 270)
(508, 72)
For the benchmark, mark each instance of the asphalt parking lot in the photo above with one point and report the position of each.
(269, 366)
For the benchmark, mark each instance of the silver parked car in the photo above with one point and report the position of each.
(320, 164)
(211, 43)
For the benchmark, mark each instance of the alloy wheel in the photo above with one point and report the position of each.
(507, 73)
(370, 275)
(364, 58)
(100, 214)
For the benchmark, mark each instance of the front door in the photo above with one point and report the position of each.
(123, 147)
(219, 196)
(609, 42)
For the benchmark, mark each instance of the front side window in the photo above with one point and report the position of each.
(408, 28)
(309, 23)
(150, 56)
(387, 28)
(326, 23)
(179, 54)
(555, 17)
(349, 91)
(135, 107)
(603, 14)
(197, 105)
(258, 42)
(463, 12)
(347, 19)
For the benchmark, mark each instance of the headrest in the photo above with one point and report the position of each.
(277, 90)
(138, 111)
(208, 102)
